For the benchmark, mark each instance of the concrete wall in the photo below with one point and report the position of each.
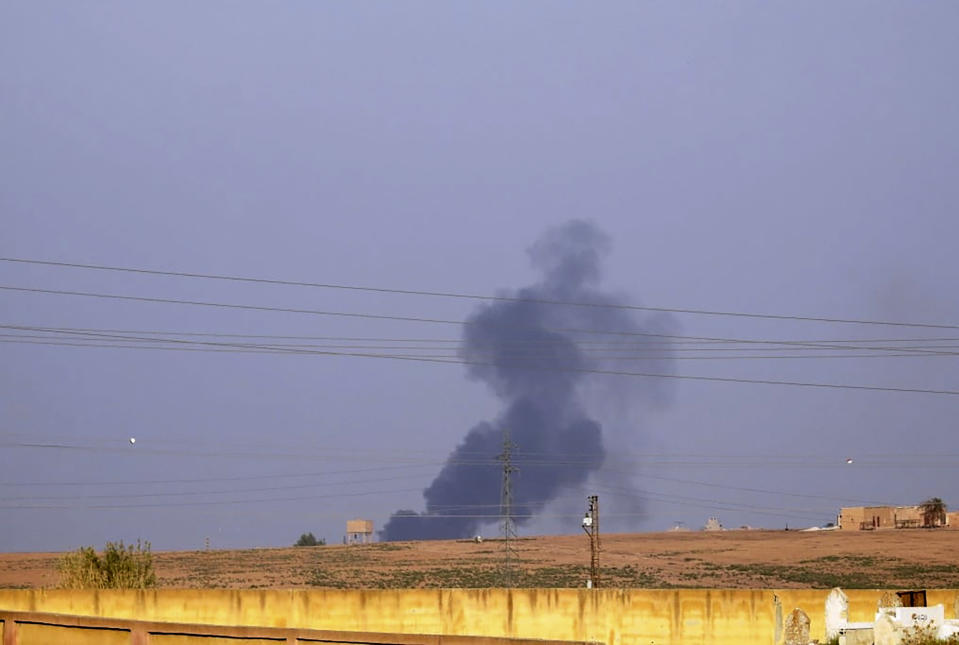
(37, 628)
(850, 517)
(880, 517)
(620, 616)
(54, 635)
(883, 517)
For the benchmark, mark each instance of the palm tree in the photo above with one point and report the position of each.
(933, 512)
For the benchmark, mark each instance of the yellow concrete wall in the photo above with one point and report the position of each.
(182, 639)
(614, 616)
(56, 635)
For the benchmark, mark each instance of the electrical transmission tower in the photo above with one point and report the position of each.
(591, 526)
(506, 508)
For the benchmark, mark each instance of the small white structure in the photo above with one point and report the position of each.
(890, 623)
(712, 524)
(909, 617)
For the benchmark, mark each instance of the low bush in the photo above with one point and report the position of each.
(927, 636)
(308, 539)
(119, 567)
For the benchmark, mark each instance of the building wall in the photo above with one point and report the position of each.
(878, 517)
(875, 516)
(850, 517)
(359, 526)
(911, 513)
(614, 616)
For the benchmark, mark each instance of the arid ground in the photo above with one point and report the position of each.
(732, 559)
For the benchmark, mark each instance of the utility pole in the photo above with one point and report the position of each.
(506, 508)
(591, 526)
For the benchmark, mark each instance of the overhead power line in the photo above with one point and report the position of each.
(284, 349)
(358, 315)
(562, 368)
(428, 352)
(670, 340)
(663, 341)
(470, 296)
(227, 305)
(197, 480)
(227, 502)
(603, 350)
(451, 511)
(229, 491)
(713, 504)
(761, 491)
(620, 463)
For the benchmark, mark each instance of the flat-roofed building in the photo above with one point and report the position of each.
(359, 531)
(868, 518)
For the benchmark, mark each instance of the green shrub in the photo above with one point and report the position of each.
(308, 539)
(119, 567)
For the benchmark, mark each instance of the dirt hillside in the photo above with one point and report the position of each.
(731, 559)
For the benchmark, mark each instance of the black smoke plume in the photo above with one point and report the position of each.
(532, 353)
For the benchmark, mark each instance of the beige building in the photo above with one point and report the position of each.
(868, 518)
(359, 531)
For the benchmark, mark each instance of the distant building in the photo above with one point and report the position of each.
(712, 524)
(869, 518)
(359, 531)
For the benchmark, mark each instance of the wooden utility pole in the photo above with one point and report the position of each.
(591, 526)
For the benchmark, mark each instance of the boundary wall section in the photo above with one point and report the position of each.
(32, 628)
(613, 616)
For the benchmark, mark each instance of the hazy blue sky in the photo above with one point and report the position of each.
(785, 158)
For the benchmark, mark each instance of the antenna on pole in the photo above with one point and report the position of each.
(591, 526)
(506, 508)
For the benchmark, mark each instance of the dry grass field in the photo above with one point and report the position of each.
(733, 559)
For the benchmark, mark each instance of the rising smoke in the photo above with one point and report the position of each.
(531, 353)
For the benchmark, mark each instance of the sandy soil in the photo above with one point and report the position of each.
(732, 559)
